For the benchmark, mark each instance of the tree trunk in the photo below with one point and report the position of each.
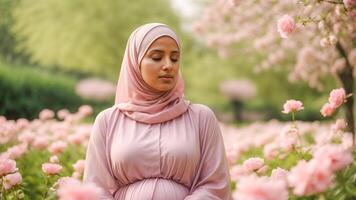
(347, 81)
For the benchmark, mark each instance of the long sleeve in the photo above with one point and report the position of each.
(97, 169)
(212, 182)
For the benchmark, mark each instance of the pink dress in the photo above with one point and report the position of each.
(183, 158)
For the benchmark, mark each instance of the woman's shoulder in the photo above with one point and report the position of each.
(106, 113)
(203, 111)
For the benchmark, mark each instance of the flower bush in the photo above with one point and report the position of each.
(44, 158)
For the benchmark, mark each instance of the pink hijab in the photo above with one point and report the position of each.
(134, 97)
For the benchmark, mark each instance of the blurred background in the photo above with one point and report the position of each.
(59, 54)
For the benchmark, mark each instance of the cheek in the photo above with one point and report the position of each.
(149, 70)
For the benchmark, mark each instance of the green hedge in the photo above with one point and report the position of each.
(25, 91)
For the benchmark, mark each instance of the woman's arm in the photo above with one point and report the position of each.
(212, 181)
(97, 170)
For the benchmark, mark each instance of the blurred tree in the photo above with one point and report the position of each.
(84, 35)
(7, 39)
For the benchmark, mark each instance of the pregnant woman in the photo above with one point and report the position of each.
(153, 144)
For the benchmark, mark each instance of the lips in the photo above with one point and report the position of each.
(165, 76)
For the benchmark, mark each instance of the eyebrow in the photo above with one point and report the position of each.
(161, 51)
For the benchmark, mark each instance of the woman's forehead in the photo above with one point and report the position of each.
(164, 42)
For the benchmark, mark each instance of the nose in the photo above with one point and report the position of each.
(168, 64)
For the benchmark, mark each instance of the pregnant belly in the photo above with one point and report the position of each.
(152, 189)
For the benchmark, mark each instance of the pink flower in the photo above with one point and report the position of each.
(72, 189)
(54, 159)
(51, 168)
(261, 188)
(327, 110)
(11, 180)
(310, 177)
(349, 3)
(236, 172)
(286, 26)
(79, 166)
(292, 106)
(46, 114)
(85, 110)
(57, 147)
(339, 125)
(337, 97)
(336, 155)
(253, 164)
(63, 113)
(7, 166)
(40, 142)
(270, 150)
(279, 174)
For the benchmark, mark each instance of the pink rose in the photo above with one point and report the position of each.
(236, 172)
(349, 3)
(311, 177)
(279, 174)
(253, 164)
(79, 166)
(337, 97)
(63, 113)
(7, 166)
(336, 155)
(54, 159)
(339, 125)
(57, 147)
(327, 110)
(292, 106)
(286, 26)
(261, 188)
(40, 142)
(11, 180)
(46, 114)
(51, 168)
(72, 189)
(85, 110)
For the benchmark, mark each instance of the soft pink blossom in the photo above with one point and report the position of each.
(339, 125)
(292, 106)
(57, 147)
(63, 113)
(54, 159)
(11, 180)
(311, 177)
(336, 155)
(46, 114)
(260, 188)
(286, 26)
(279, 174)
(337, 97)
(79, 166)
(7, 166)
(253, 164)
(350, 3)
(236, 172)
(72, 189)
(327, 110)
(17, 151)
(40, 142)
(270, 151)
(85, 110)
(51, 168)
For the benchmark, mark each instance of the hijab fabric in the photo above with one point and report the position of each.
(134, 97)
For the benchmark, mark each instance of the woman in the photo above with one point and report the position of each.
(153, 144)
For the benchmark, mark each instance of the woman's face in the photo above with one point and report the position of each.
(160, 65)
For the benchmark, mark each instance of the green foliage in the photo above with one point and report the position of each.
(26, 91)
(84, 35)
(7, 39)
(34, 180)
